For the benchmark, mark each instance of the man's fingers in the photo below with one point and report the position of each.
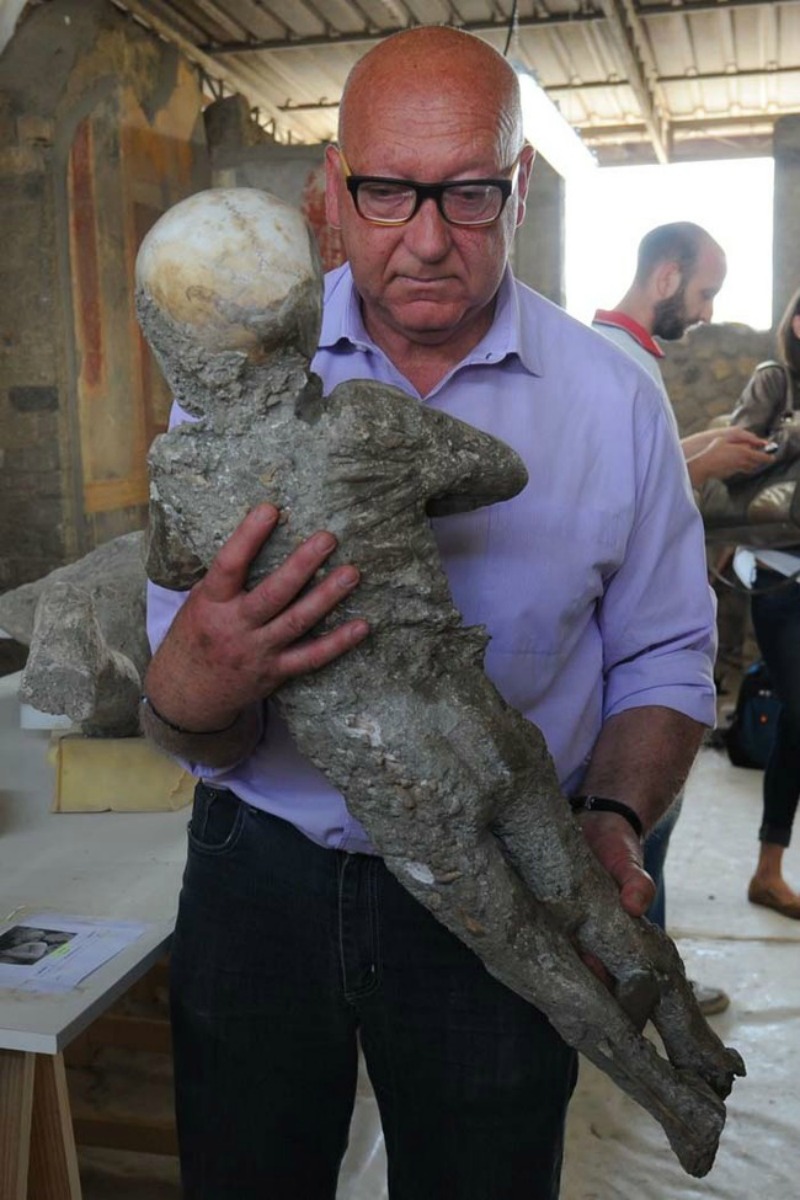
(637, 891)
(596, 967)
(227, 574)
(747, 437)
(300, 618)
(617, 848)
(280, 591)
(317, 652)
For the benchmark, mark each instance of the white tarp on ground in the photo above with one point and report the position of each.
(615, 1151)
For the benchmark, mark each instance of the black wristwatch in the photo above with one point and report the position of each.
(580, 804)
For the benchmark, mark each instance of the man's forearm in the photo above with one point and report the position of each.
(642, 757)
(217, 748)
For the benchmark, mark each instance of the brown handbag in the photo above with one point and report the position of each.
(761, 509)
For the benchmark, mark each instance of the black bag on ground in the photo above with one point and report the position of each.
(749, 736)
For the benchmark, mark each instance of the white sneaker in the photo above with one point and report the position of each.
(710, 1000)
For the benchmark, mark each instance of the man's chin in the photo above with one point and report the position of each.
(672, 333)
(427, 321)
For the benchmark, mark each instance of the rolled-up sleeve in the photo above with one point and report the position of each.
(658, 614)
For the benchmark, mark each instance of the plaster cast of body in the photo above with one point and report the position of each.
(457, 791)
(85, 626)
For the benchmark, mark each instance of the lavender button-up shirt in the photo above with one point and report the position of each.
(591, 583)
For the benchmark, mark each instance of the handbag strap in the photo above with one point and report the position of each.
(736, 584)
(788, 404)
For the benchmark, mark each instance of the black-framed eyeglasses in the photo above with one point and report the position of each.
(467, 202)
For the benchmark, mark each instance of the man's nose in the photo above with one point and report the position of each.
(428, 233)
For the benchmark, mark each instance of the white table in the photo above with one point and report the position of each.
(118, 866)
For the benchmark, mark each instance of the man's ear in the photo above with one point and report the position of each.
(523, 181)
(667, 279)
(333, 178)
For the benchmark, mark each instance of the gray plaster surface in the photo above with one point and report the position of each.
(84, 625)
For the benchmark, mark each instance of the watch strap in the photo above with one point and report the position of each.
(580, 804)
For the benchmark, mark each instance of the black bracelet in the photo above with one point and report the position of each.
(148, 703)
(602, 804)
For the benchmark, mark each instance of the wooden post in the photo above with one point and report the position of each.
(53, 1172)
(37, 1146)
(16, 1106)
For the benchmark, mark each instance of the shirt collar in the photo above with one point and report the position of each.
(342, 323)
(621, 320)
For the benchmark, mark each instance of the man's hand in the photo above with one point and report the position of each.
(720, 453)
(228, 648)
(617, 848)
(642, 758)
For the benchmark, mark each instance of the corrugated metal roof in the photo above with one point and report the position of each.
(642, 80)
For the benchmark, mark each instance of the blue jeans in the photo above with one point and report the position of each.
(656, 845)
(776, 623)
(285, 954)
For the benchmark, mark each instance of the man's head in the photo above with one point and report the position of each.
(680, 268)
(431, 105)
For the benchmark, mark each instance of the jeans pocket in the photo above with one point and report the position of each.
(217, 820)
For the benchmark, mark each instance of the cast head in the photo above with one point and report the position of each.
(226, 280)
(681, 268)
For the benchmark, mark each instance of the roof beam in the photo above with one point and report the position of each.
(374, 34)
(629, 38)
(595, 85)
(155, 15)
(689, 127)
(542, 20)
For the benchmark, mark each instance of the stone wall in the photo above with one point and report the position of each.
(706, 371)
(100, 131)
(296, 174)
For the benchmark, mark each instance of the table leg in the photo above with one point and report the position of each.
(16, 1112)
(37, 1146)
(53, 1171)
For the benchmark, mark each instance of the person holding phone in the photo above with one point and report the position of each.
(772, 392)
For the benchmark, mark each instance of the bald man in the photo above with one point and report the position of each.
(294, 944)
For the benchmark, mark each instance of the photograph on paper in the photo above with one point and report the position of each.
(23, 945)
(52, 952)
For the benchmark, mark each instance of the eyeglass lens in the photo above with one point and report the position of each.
(463, 204)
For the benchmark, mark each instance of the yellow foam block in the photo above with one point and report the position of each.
(117, 775)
